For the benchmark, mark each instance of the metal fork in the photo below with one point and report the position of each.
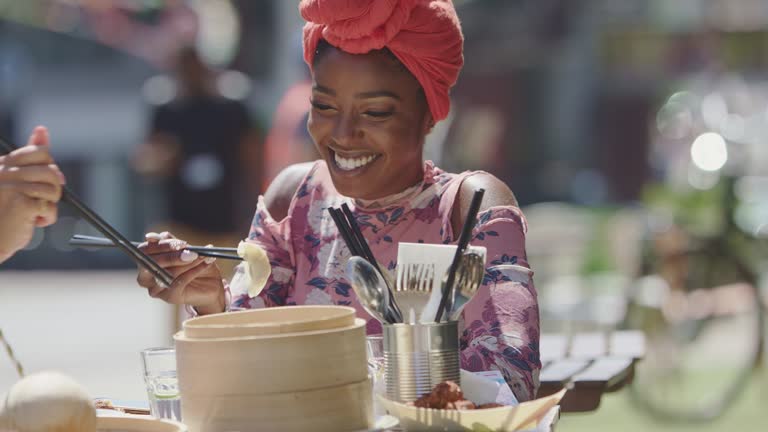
(414, 286)
(416, 277)
(470, 278)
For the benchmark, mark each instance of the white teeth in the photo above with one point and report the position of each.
(350, 164)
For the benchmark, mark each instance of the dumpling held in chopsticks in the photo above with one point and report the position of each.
(255, 265)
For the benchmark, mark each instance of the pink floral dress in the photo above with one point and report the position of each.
(500, 326)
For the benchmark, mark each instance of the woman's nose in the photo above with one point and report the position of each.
(345, 130)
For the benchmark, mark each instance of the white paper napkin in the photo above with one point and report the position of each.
(486, 387)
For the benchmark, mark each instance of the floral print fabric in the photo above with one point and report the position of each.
(500, 326)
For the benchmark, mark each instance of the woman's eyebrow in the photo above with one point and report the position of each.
(323, 89)
(362, 95)
(377, 93)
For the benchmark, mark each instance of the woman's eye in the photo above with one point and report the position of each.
(378, 114)
(320, 106)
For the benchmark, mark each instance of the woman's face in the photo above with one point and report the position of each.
(368, 120)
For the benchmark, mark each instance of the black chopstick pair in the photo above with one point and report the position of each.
(353, 237)
(466, 234)
(102, 226)
(100, 242)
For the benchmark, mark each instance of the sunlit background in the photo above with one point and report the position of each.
(612, 121)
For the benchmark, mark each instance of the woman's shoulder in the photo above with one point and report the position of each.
(497, 194)
(285, 186)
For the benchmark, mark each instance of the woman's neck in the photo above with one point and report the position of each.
(386, 200)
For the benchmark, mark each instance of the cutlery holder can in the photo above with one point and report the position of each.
(418, 357)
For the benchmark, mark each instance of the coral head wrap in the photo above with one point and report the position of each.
(425, 35)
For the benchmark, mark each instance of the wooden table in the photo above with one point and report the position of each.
(590, 364)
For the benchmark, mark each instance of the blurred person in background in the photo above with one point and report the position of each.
(375, 97)
(207, 150)
(30, 188)
(288, 141)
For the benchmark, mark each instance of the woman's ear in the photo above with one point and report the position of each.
(427, 123)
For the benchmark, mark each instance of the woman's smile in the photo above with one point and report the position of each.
(352, 163)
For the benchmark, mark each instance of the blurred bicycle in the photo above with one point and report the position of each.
(697, 294)
(698, 301)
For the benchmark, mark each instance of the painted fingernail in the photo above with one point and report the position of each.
(210, 260)
(188, 256)
(60, 175)
(152, 236)
(178, 244)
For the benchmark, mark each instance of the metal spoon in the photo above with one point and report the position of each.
(470, 277)
(370, 288)
(386, 281)
(461, 278)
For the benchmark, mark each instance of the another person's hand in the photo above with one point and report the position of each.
(30, 187)
(197, 280)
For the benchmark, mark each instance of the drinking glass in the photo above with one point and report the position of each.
(159, 365)
(375, 347)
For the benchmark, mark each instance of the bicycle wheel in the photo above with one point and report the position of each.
(703, 321)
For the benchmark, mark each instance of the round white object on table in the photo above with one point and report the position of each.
(47, 402)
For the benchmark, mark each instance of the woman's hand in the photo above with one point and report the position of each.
(197, 280)
(30, 187)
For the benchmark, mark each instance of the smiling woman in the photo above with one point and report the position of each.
(381, 75)
(368, 120)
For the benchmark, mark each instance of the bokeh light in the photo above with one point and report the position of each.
(674, 120)
(714, 110)
(234, 85)
(158, 90)
(709, 152)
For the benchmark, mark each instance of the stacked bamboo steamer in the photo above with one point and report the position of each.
(293, 368)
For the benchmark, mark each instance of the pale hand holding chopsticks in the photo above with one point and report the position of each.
(107, 230)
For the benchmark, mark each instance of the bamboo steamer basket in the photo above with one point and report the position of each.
(335, 409)
(272, 364)
(290, 368)
(269, 321)
(137, 424)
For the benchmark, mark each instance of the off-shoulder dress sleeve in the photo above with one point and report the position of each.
(501, 323)
(275, 238)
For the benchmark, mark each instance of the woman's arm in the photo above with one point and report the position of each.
(271, 230)
(501, 323)
(198, 283)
